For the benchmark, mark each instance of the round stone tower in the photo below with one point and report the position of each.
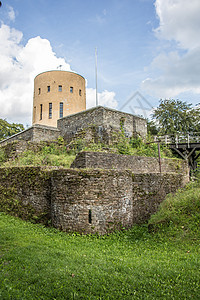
(56, 95)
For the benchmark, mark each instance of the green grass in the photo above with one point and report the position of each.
(61, 155)
(123, 145)
(179, 214)
(52, 155)
(43, 263)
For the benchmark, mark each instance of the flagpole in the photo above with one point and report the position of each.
(96, 75)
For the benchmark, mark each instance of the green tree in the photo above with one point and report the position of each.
(175, 116)
(7, 129)
(152, 129)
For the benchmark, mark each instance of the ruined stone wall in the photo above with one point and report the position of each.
(130, 124)
(139, 127)
(25, 192)
(14, 149)
(72, 123)
(26, 135)
(86, 201)
(100, 122)
(149, 190)
(137, 164)
(45, 133)
(91, 201)
(118, 121)
(104, 120)
(35, 133)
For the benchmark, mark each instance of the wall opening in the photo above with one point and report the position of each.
(40, 111)
(50, 110)
(61, 109)
(90, 216)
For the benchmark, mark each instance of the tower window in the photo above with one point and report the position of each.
(61, 109)
(48, 88)
(40, 111)
(39, 91)
(50, 110)
(71, 89)
(60, 88)
(79, 92)
(90, 216)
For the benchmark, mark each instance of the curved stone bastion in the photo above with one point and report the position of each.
(85, 200)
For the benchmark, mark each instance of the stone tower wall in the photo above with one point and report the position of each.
(53, 88)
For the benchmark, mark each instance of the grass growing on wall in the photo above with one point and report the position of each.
(61, 155)
(49, 155)
(43, 263)
(123, 145)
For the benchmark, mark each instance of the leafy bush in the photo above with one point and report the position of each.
(149, 149)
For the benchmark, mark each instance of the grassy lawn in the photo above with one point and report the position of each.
(43, 263)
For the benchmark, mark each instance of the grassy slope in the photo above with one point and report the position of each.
(43, 263)
(179, 214)
(62, 155)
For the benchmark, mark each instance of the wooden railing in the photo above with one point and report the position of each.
(179, 138)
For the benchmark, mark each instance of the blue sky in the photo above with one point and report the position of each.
(149, 46)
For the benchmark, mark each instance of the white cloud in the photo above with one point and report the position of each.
(20, 64)
(178, 72)
(11, 13)
(179, 21)
(105, 98)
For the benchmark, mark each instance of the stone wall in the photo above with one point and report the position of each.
(45, 133)
(104, 197)
(84, 200)
(14, 149)
(137, 164)
(70, 125)
(26, 135)
(25, 192)
(35, 133)
(105, 120)
(149, 190)
(139, 127)
(98, 122)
